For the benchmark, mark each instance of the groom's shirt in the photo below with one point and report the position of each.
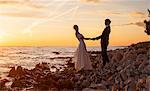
(105, 35)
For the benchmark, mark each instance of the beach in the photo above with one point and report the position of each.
(128, 70)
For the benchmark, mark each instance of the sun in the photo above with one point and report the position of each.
(2, 36)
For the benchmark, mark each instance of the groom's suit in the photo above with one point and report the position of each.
(104, 43)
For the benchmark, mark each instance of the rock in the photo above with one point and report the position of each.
(89, 89)
(141, 66)
(37, 66)
(19, 71)
(128, 81)
(141, 57)
(114, 87)
(78, 84)
(121, 84)
(140, 84)
(98, 87)
(132, 86)
(60, 58)
(141, 51)
(54, 89)
(82, 77)
(56, 53)
(117, 57)
(148, 83)
(77, 89)
(129, 55)
(123, 75)
(45, 66)
(12, 72)
(85, 83)
(119, 68)
(77, 76)
(2, 83)
(53, 67)
(70, 64)
(65, 84)
(17, 83)
(126, 88)
(128, 70)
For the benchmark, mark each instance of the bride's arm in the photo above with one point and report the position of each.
(82, 37)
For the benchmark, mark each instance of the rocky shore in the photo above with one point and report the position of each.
(128, 70)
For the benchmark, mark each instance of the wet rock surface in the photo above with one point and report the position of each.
(128, 70)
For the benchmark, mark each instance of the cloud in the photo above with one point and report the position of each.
(22, 8)
(106, 13)
(28, 3)
(95, 1)
(137, 14)
(132, 14)
(140, 24)
(23, 15)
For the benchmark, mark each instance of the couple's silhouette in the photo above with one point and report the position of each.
(81, 58)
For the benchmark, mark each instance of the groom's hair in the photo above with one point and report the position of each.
(108, 20)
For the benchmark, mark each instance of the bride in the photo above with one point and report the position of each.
(81, 58)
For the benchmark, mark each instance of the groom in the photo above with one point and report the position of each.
(104, 41)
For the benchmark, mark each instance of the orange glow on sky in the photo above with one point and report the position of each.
(49, 22)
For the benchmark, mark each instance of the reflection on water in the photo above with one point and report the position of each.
(28, 57)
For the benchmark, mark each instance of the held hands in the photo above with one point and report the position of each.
(93, 38)
(87, 38)
(90, 38)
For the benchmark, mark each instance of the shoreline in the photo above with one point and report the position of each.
(127, 71)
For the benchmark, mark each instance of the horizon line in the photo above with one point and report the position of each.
(58, 46)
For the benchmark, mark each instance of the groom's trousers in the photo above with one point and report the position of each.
(105, 58)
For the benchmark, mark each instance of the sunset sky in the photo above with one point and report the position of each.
(49, 22)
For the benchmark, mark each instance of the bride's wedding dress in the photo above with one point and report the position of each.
(81, 58)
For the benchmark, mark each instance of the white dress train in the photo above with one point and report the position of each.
(81, 58)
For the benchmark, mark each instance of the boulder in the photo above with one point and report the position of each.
(123, 75)
(140, 84)
(141, 57)
(89, 89)
(117, 57)
(17, 83)
(128, 70)
(65, 83)
(148, 83)
(141, 51)
(2, 83)
(57, 53)
(85, 83)
(129, 55)
(12, 72)
(132, 86)
(100, 87)
(54, 89)
(20, 71)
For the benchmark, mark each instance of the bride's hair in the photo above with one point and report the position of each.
(75, 27)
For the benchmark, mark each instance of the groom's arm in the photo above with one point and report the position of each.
(87, 38)
(96, 38)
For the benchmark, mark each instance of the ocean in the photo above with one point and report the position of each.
(28, 57)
